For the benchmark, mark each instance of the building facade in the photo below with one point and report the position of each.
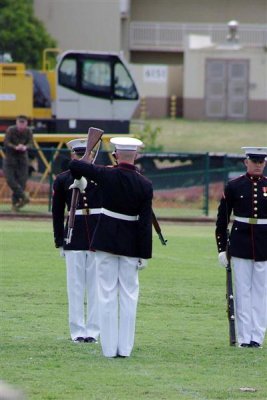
(153, 35)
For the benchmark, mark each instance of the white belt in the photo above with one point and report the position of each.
(253, 221)
(84, 211)
(102, 210)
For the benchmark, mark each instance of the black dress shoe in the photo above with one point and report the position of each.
(255, 344)
(245, 345)
(78, 339)
(90, 340)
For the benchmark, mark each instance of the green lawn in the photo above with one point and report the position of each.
(207, 136)
(181, 348)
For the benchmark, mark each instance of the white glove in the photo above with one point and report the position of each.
(61, 252)
(142, 263)
(79, 184)
(222, 258)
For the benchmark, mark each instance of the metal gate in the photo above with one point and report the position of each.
(226, 89)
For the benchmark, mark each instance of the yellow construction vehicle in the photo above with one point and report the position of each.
(85, 88)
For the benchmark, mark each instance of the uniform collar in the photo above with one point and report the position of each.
(254, 178)
(125, 165)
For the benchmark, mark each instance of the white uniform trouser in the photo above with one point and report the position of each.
(250, 299)
(118, 290)
(81, 285)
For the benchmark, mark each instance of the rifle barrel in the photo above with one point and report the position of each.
(94, 135)
(157, 229)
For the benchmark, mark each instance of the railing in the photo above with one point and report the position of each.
(162, 36)
(179, 179)
(46, 159)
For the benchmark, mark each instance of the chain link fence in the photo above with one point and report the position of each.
(181, 181)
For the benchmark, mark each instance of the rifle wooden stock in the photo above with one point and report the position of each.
(94, 135)
(157, 229)
(230, 298)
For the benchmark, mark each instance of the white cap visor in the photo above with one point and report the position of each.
(256, 152)
(77, 144)
(126, 143)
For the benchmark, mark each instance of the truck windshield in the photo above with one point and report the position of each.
(105, 77)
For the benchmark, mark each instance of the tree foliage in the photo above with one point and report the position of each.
(22, 34)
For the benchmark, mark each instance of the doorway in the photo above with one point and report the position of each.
(226, 89)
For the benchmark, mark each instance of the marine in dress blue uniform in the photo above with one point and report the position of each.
(122, 241)
(80, 261)
(245, 199)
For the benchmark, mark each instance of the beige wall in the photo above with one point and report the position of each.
(194, 74)
(194, 71)
(157, 94)
(171, 86)
(97, 25)
(205, 11)
(82, 24)
(194, 81)
(193, 11)
(258, 76)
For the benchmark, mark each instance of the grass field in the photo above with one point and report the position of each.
(181, 348)
(207, 136)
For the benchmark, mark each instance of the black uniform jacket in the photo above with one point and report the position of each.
(84, 225)
(124, 191)
(245, 196)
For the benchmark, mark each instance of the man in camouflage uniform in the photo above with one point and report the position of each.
(18, 140)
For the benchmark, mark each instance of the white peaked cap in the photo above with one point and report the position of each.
(77, 144)
(126, 143)
(257, 152)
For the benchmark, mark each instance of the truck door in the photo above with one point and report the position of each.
(67, 99)
(125, 95)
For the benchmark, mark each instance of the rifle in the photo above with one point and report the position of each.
(94, 135)
(230, 298)
(157, 229)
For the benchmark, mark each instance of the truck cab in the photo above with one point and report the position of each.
(85, 88)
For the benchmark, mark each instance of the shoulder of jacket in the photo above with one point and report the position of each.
(64, 174)
(236, 179)
(143, 177)
(147, 180)
(12, 128)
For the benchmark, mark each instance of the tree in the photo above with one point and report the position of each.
(22, 34)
